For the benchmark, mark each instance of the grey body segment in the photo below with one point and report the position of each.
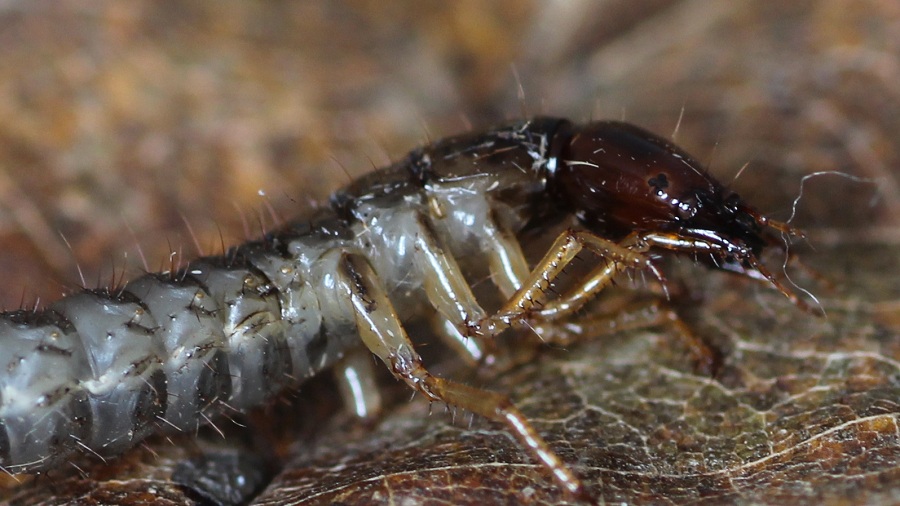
(45, 408)
(126, 386)
(248, 312)
(99, 370)
(195, 361)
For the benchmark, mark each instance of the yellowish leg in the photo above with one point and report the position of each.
(545, 317)
(506, 261)
(474, 349)
(445, 286)
(575, 298)
(523, 304)
(643, 315)
(381, 332)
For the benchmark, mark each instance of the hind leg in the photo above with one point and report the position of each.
(355, 378)
(382, 332)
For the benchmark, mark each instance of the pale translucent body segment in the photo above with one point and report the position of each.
(127, 387)
(465, 215)
(299, 307)
(355, 378)
(381, 331)
(406, 233)
(435, 272)
(258, 357)
(196, 364)
(338, 333)
(44, 410)
(507, 265)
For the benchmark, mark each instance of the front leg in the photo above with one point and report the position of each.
(526, 303)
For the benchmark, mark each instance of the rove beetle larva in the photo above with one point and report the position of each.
(100, 369)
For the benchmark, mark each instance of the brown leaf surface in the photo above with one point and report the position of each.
(129, 116)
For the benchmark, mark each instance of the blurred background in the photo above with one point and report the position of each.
(121, 122)
(130, 129)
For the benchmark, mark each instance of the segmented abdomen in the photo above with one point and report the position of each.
(102, 369)
(99, 370)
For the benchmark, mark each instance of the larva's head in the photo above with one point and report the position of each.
(619, 179)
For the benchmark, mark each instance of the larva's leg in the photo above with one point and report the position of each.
(445, 286)
(355, 377)
(506, 261)
(577, 296)
(381, 331)
(615, 257)
(449, 293)
(459, 316)
(474, 349)
(642, 315)
(525, 301)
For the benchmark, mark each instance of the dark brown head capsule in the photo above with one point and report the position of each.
(624, 182)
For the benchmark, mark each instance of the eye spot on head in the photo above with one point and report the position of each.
(659, 183)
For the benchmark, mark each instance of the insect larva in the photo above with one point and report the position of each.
(98, 370)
